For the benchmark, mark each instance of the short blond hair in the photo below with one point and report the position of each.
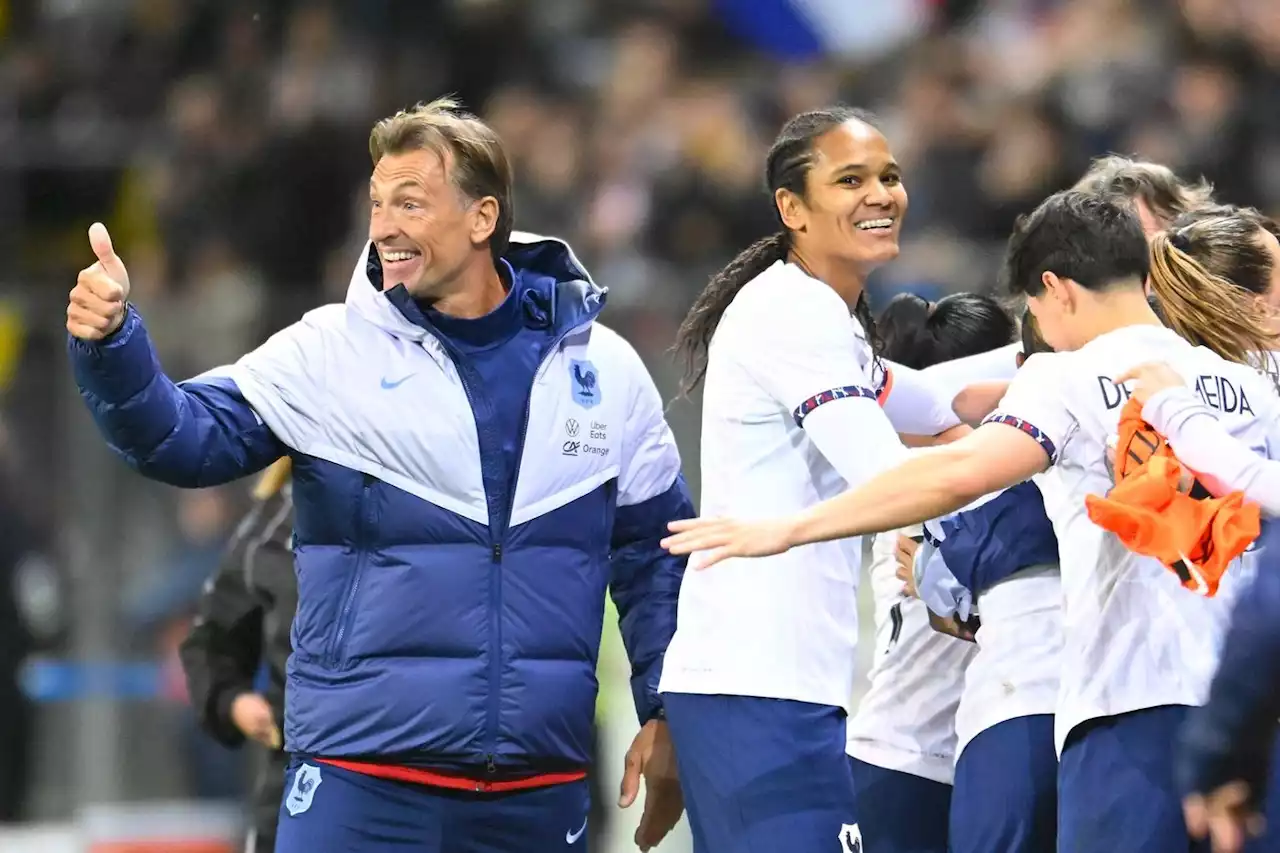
(475, 156)
(1126, 180)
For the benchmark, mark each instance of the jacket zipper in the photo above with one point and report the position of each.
(495, 672)
(496, 537)
(335, 654)
(498, 534)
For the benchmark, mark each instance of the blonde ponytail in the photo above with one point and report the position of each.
(1206, 309)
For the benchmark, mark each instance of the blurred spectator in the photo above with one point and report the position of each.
(161, 608)
(637, 131)
(32, 618)
(235, 655)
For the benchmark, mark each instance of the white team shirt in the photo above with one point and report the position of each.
(789, 419)
(1133, 637)
(1017, 669)
(906, 720)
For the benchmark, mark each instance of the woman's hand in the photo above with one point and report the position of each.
(905, 554)
(718, 539)
(1149, 378)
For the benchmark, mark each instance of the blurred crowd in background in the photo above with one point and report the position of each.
(224, 143)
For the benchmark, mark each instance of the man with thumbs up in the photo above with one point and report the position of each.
(98, 300)
(476, 460)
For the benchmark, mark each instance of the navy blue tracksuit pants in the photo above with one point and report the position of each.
(327, 809)
(1005, 798)
(763, 775)
(1116, 787)
(900, 812)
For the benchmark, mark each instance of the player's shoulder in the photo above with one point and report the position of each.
(1205, 362)
(780, 311)
(1248, 374)
(784, 292)
(1044, 369)
(606, 343)
(1270, 362)
(1228, 386)
(332, 315)
(308, 332)
(1255, 379)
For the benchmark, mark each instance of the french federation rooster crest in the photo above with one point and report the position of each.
(586, 391)
(305, 782)
(586, 381)
(851, 838)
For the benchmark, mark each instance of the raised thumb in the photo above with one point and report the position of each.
(100, 242)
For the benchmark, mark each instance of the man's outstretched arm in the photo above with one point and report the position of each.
(197, 434)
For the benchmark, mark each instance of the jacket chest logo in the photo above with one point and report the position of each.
(584, 383)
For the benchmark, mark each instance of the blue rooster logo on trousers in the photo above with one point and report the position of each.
(305, 781)
(585, 383)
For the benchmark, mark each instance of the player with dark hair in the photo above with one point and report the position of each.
(241, 630)
(918, 333)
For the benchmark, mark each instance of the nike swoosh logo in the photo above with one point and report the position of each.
(387, 386)
(570, 837)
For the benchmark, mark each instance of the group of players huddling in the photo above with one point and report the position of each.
(1046, 709)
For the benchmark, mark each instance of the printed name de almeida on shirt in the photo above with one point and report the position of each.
(1217, 392)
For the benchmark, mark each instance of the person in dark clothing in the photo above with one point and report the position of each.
(28, 584)
(33, 619)
(241, 632)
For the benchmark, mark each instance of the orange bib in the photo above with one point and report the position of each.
(1157, 510)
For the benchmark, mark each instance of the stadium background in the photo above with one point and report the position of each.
(223, 142)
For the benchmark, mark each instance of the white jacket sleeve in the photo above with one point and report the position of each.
(1222, 462)
(650, 459)
(284, 380)
(921, 402)
(856, 438)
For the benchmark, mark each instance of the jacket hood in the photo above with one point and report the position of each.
(557, 288)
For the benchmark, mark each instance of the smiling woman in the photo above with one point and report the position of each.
(758, 678)
(840, 200)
